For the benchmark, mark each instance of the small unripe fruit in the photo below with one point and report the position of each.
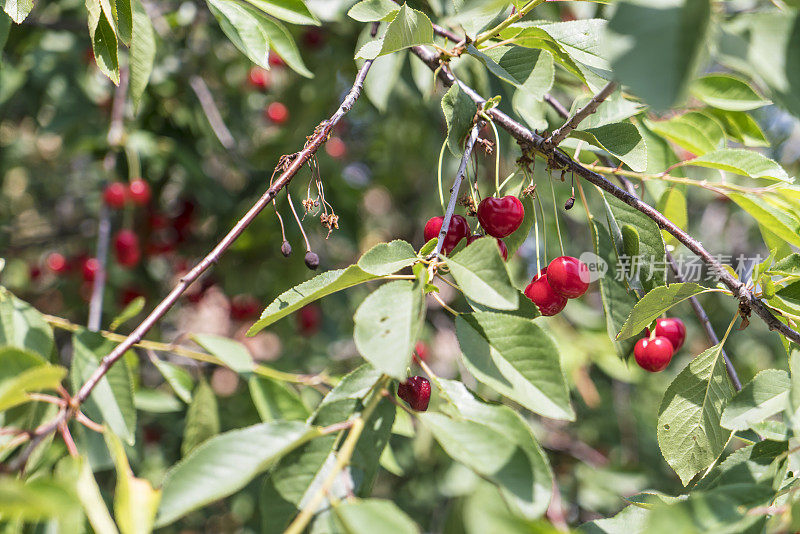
(277, 113)
(115, 195)
(458, 230)
(416, 391)
(500, 216)
(139, 192)
(286, 249)
(653, 355)
(546, 299)
(568, 276)
(312, 260)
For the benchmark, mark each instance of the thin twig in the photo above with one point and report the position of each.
(561, 133)
(462, 169)
(313, 143)
(211, 111)
(532, 141)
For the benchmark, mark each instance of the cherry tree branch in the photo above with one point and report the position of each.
(532, 141)
(462, 169)
(290, 166)
(561, 133)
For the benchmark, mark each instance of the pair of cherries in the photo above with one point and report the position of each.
(654, 352)
(499, 217)
(563, 279)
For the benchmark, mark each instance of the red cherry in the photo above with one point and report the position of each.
(57, 263)
(258, 77)
(277, 112)
(458, 230)
(673, 329)
(546, 299)
(568, 276)
(244, 307)
(500, 244)
(416, 391)
(313, 38)
(653, 354)
(500, 216)
(90, 268)
(126, 247)
(422, 350)
(309, 318)
(275, 60)
(115, 195)
(335, 147)
(139, 192)
(130, 293)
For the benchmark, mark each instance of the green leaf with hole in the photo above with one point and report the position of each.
(112, 397)
(689, 432)
(309, 291)
(743, 162)
(656, 302)
(621, 139)
(387, 258)
(387, 326)
(225, 464)
(516, 358)
(762, 397)
(727, 92)
(480, 272)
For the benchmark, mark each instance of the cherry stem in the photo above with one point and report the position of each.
(439, 176)
(496, 159)
(555, 213)
(299, 224)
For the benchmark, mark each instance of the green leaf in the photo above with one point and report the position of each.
(178, 378)
(23, 327)
(225, 464)
(774, 219)
(276, 400)
(291, 11)
(18, 10)
(689, 431)
(617, 300)
(387, 258)
(480, 272)
(616, 108)
(112, 397)
(142, 58)
(693, 131)
(376, 516)
(78, 471)
(23, 372)
(631, 520)
(135, 500)
(526, 480)
(752, 467)
(384, 75)
(202, 419)
(740, 127)
(124, 11)
(673, 205)
(741, 161)
(652, 270)
(130, 311)
(38, 499)
(621, 139)
(530, 71)
(656, 302)
(309, 291)
(104, 41)
(408, 28)
(387, 326)
(373, 10)
(516, 358)
(704, 512)
(233, 354)
(282, 42)
(156, 401)
(459, 110)
(654, 46)
(727, 92)
(762, 397)
(5, 26)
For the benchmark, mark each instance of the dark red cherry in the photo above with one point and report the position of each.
(309, 318)
(546, 299)
(115, 195)
(89, 268)
(500, 244)
(126, 247)
(673, 329)
(244, 307)
(653, 354)
(458, 230)
(500, 216)
(416, 391)
(568, 276)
